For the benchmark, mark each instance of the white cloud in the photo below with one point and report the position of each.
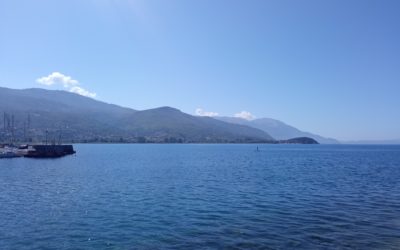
(57, 78)
(245, 115)
(81, 91)
(201, 112)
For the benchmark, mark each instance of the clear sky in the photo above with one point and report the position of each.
(329, 67)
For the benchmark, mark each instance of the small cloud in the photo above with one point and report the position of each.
(57, 78)
(245, 115)
(201, 112)
(81, 91)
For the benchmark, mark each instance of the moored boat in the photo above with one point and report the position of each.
(49, 151)
(9, 153)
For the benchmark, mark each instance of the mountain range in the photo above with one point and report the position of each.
(277, 129)
(50, 115)
(37, 114)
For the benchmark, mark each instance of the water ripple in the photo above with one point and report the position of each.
(204, 197)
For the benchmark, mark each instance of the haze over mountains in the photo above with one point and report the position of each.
(277, 129)
(386, 142)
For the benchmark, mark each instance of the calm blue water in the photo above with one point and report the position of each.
(203, 197)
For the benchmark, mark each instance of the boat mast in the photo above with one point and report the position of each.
(46, 135)
(12, 129)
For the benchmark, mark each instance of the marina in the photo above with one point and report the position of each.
(17, 140)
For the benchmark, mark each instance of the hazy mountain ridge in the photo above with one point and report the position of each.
(83, 119)
(179, 125)
(36, 98)
(372, 142)
(277, 129)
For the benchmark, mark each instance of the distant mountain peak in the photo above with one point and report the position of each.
(167, 108)
(277, 129)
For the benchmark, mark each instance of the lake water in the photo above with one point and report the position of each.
(203, 197)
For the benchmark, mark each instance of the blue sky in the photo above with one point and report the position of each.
(328, 67)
